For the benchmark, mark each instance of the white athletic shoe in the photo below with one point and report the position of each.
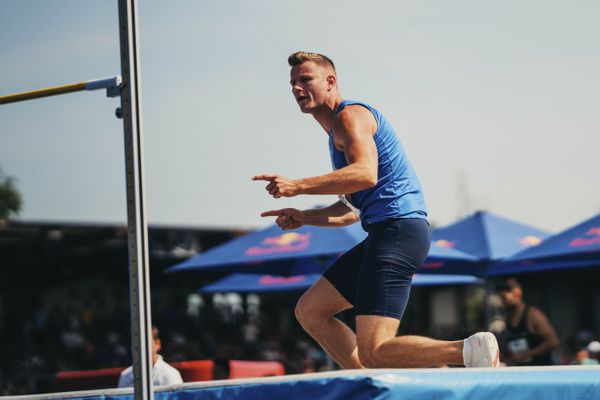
(481, 350)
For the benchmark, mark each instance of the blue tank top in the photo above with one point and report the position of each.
(397, 193)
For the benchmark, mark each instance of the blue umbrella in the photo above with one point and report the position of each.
(445, 279)
(488, 236)
(575, 247)
(305, 250)
(276, 251)
(448, 261)
(256, 283)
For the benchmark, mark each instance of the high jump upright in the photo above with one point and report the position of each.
(129, 89)
(139, 272)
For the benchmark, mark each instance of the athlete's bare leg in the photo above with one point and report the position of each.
(379, 347)
(315, 311)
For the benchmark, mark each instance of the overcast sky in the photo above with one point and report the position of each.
(496, 102)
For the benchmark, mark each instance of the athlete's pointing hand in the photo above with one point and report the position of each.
(287, 218)
(279, 186)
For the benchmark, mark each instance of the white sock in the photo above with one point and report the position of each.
(466, 352)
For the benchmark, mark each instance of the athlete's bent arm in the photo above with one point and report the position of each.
(353, 131)
(335, 215)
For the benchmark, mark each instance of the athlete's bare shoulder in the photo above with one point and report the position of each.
(354, 124)
(353, 120)
(355, 113)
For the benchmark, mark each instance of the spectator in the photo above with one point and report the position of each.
(593, 351)
(162, 372)
(529, 336)
(582, 357)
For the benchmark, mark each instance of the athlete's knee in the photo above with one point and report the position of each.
(307, 313)
(319, 304)
(368, 357)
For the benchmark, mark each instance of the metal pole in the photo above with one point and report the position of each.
(139, 273)
(111, 84)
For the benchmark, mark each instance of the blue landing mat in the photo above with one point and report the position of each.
(541, 383)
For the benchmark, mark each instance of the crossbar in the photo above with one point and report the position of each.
(104, 83)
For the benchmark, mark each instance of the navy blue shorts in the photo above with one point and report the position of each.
(375, 275)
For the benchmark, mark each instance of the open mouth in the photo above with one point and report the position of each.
(300, 99)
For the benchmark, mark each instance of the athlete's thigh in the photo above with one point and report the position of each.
(322, 298)
(343, 274)
(395, 249)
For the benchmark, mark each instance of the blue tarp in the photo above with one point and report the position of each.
(256, 283)
(488, 236)
(308, 249)
(575, 247)
(513, 383)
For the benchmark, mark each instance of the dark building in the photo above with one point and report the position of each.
(64, 294)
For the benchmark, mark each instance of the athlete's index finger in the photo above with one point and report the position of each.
(272, 213)
(264, 177)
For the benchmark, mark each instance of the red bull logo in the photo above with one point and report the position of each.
(433, 265)
(280, 280)
(529, 241)
(445, 243)
(593, 231)
(592, 237)
(287, 243)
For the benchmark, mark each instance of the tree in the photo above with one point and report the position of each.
(10, 198)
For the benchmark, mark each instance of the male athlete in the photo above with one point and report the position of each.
(377, 186)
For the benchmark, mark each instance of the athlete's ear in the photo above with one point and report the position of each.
(331, 81)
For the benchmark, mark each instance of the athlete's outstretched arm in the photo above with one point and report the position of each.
(353, 131)
(337, 214)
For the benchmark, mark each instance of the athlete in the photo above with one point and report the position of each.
(378, 187)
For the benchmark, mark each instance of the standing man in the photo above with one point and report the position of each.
(530, 338)
(163, 373)
(377, 185)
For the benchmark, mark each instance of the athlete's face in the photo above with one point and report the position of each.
(311, 85)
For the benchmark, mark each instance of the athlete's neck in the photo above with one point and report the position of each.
(326, 113)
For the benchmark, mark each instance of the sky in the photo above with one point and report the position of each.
(496, 102)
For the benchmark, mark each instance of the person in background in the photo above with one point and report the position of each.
(582, 357)
(529, 337)
(593, 350)
(163, 373)
(588, 355)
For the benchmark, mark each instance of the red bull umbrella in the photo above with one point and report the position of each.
(257, 283)
(575, 247)
(488, 236)
(309, 249)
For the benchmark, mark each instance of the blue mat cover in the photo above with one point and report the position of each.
(541, 383)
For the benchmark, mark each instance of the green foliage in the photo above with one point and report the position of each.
(10, 198)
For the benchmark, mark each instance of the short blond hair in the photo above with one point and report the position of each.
(303, 56)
